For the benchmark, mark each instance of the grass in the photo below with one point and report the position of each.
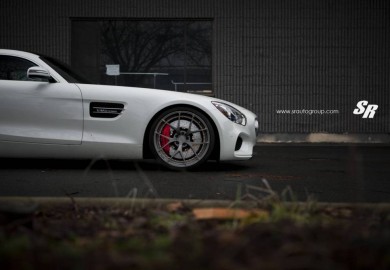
(280, 233)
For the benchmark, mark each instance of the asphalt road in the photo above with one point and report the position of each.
(330, 173)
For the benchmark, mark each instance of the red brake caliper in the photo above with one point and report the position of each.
(166, 131)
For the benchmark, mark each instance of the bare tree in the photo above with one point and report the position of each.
(198, 44)
(140, 46)
(137, 46)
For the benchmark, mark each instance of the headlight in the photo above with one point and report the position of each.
(231, 113)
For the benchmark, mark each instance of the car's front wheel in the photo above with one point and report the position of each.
(181, 138)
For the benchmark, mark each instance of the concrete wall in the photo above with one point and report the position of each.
(267, 54)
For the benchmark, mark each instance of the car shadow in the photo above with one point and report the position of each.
(100, 164)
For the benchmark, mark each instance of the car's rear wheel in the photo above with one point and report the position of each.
(181, 138)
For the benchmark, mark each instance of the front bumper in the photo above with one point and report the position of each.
(237, 141)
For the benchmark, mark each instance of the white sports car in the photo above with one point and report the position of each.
(46, 111)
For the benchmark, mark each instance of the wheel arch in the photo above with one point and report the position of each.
(146, 152)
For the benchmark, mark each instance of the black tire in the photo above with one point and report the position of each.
(181, 138)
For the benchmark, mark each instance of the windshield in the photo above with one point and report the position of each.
(64, 70)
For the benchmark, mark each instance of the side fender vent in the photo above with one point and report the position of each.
(105, 110)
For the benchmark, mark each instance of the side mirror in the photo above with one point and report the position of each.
(38, 73)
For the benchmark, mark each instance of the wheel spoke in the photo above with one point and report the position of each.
(162, 147)
(174, 154)
(199, 143)
(178, 122)
(182, 156)
(189, 128)
(194, 152)
(175, 128)
(162, 135)
(196, 131)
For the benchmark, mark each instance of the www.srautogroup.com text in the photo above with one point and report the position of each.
(308, 112)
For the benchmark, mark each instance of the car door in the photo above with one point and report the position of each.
(37, 111)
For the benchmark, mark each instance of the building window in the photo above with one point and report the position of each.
(171, 55)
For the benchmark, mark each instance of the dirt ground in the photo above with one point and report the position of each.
(177, 236)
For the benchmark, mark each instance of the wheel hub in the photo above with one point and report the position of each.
(182, 139)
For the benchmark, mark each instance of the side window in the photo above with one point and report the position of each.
(14, 68)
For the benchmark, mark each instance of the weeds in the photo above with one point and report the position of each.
(260, 229)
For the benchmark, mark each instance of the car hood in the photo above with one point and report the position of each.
(147, 96)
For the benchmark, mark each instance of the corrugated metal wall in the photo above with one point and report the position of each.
(267, 54)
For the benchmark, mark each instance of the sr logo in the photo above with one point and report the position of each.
(368, 111)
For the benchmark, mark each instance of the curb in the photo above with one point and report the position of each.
(319, 138)
(29, 204)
